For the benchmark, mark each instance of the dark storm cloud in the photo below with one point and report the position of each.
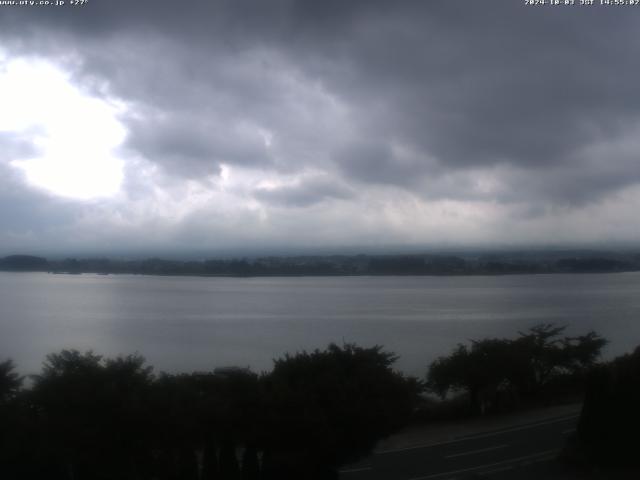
(195, 148)
(26, 213)
(21, 210)
(304, 193)
(497, 84)
(419, 95)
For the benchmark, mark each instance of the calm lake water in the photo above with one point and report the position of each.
(187, 323)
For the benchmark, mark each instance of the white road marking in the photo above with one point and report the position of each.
(476, 451)
(481, 435)
(537, 456)
(568, 431)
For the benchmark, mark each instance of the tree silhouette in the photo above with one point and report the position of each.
(481, 370)
(89, 417)
(610, 419)
(521, 367)
(10, 381)
(331, 407)
(94, 413)
(14, 431)
(550, 356)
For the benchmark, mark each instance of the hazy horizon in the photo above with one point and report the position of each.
(284, 252)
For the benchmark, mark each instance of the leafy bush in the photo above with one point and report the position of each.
(514, 368)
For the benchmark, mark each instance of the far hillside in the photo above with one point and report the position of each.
(468, 263)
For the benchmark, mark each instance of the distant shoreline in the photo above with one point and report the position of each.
(338, 265)
(311, 275)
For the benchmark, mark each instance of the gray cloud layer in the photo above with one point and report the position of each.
(521, 107)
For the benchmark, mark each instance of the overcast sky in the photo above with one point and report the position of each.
(209, 125)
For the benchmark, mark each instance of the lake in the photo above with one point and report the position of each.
(198, 323)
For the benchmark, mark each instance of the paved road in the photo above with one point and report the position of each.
(483, 453)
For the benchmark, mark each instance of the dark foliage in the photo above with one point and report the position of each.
(590, 265)
(426, 264)
(331, 407)
(512, 369)
(10, 381)
(23, 263)
(93, 413)
(89, 417)
(610, 419)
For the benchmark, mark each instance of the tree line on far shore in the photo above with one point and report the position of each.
(89, 417)
(339, 265)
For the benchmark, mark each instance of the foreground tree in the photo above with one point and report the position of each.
(548, 357)
(93, 414)
(609, 424)
(518, 368)
(89, 417)
(480, 371)
(327, 408)
(13, 434)
(10, 381)
(208, 416)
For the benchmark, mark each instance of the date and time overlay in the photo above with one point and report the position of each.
(583, 3)
(548, 3)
